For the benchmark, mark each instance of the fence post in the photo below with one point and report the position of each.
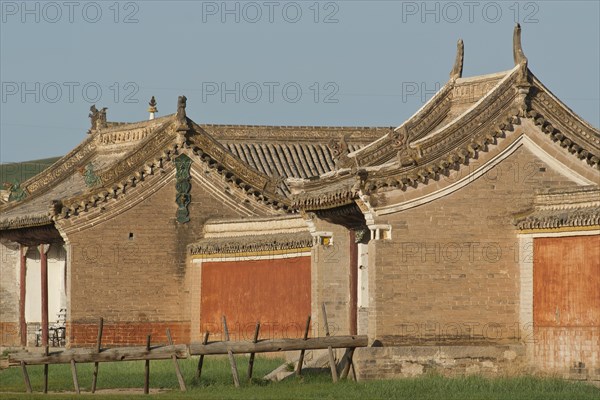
(98, 346)
(251, 360)
(26, 377)
(332, 364)
(46, 370)
(234, 371)
(74, 373)
(301, 359)
(147, 369)
(174, 358)
(201, 360)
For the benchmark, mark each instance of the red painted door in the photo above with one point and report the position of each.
(274, 292)
(566, 302)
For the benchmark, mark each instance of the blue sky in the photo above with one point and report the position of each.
(351, 63)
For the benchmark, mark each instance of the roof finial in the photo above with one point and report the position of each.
(152, 109)
(98, 118)
(518, 54)
(458, 62)
(340, 150)
(181, 116)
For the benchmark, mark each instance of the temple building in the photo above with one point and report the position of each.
(465, 240)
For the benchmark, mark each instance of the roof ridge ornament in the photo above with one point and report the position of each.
(181, 115)
(152, 108)
(98, 118)
(458, 61)
(340, 150)
(518, 54)
(522, 78)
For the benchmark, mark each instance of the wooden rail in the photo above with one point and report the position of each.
(140, 353)
(174, 352)
(273, 345)
(106, 355)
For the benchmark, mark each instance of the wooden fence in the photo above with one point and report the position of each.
(182, 351)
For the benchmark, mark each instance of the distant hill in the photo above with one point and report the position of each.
(22, 171)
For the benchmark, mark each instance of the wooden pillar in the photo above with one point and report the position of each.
(22, 294)
(43, 248)
(353, 284)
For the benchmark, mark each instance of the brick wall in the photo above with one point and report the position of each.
(128, 333)
(129, 266)
(450, 272)
(331, 281)
(9, 334)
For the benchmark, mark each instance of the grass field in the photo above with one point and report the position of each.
(216, 383)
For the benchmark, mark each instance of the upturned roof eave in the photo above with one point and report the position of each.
(475, 108)
(427, 107)
(308, 192)
(63, 168)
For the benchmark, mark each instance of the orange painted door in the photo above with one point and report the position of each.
(274, 292)
(566, 302)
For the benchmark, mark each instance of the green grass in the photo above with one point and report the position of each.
(216, 383)
(130, 374)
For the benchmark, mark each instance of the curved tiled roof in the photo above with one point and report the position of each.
(35, 211)
(589, 216)
(287, 160)
(327, 166)
(396, 162)
(566, 208)
(119, 155)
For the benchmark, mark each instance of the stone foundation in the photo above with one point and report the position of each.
(413, 361)
(32, 328)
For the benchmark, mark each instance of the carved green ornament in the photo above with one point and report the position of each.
(183, 186)
(90, 177)
(16, 192)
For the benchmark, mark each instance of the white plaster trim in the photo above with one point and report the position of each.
(319, 235)
(526, 293)
(312, 228)
(224, 258)
(523, 140)
(252, 228)
(554, 163)
(378, 231)
(322, 233)
(559, 234)
(369, 215)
